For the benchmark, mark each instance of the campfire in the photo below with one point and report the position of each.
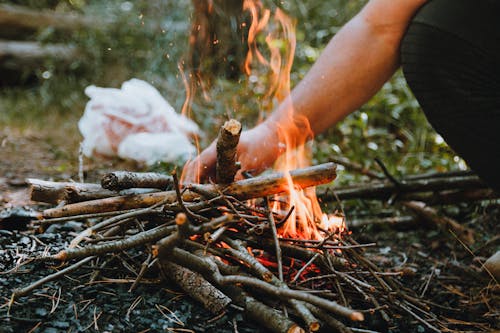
(261, 245)
(229, 245)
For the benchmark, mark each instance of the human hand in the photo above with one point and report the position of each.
(257, 150)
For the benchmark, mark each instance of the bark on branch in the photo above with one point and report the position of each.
(384, 190)
(257, 187)
(120, 180)
(55, 192)
(229, 136)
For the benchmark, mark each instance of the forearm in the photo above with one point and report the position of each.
(352, 68)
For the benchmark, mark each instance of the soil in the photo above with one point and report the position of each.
(445, 272)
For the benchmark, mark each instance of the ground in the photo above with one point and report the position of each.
(441, 269)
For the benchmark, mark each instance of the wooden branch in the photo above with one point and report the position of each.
(26, 290)
(138, 239)
(384, 190)
(30, 53)
(207, 266)
(55, 192)
(430, 215)
(452, 197)
(269, 317)
(120, 180)
(22, 17)
(244, 189)
(229, 136)
(195, 285)
(391, 220)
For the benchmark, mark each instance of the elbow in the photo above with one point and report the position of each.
(388, 21)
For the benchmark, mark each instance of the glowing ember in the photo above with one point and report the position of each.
(307, 221)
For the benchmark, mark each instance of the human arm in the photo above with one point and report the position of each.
(355, 64)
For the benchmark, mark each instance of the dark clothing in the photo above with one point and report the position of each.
(451, 59)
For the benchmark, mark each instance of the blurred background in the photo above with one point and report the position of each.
(50, 50)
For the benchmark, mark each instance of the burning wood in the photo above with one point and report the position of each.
(257, 187)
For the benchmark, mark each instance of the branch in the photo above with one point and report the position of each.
(120, 180)
(227, 141)
(257, 187)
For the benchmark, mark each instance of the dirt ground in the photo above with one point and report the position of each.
(443, 271)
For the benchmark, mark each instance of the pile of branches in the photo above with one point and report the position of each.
(225, 252)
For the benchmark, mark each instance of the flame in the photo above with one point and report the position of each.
(307, 220)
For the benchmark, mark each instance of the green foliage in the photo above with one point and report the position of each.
(148, 39)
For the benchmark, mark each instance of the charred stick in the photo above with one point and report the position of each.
(120, 180)
(257, 187)
(227, 142)
(195, 285)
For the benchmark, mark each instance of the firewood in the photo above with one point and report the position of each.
(196, 286)
(257, 187)
(56, 192)
(384, 190)
(227, 141)
(120, 180)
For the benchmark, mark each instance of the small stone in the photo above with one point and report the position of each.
(25, 240)
(41, 312)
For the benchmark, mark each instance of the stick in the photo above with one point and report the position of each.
(384, 190)
(206, 266)
(120, 180)
(55, 192)
(238, 250)
(196, 286)
(114, 246)
(244, 189)
(26, 290)
(227, 141)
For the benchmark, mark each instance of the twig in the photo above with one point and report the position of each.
(26, 290)
(189, 213)
(120, 245)
(131, 214)
(279, 260)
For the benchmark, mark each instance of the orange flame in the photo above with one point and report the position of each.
(307, 220)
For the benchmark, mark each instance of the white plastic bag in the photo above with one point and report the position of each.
(113, 115)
